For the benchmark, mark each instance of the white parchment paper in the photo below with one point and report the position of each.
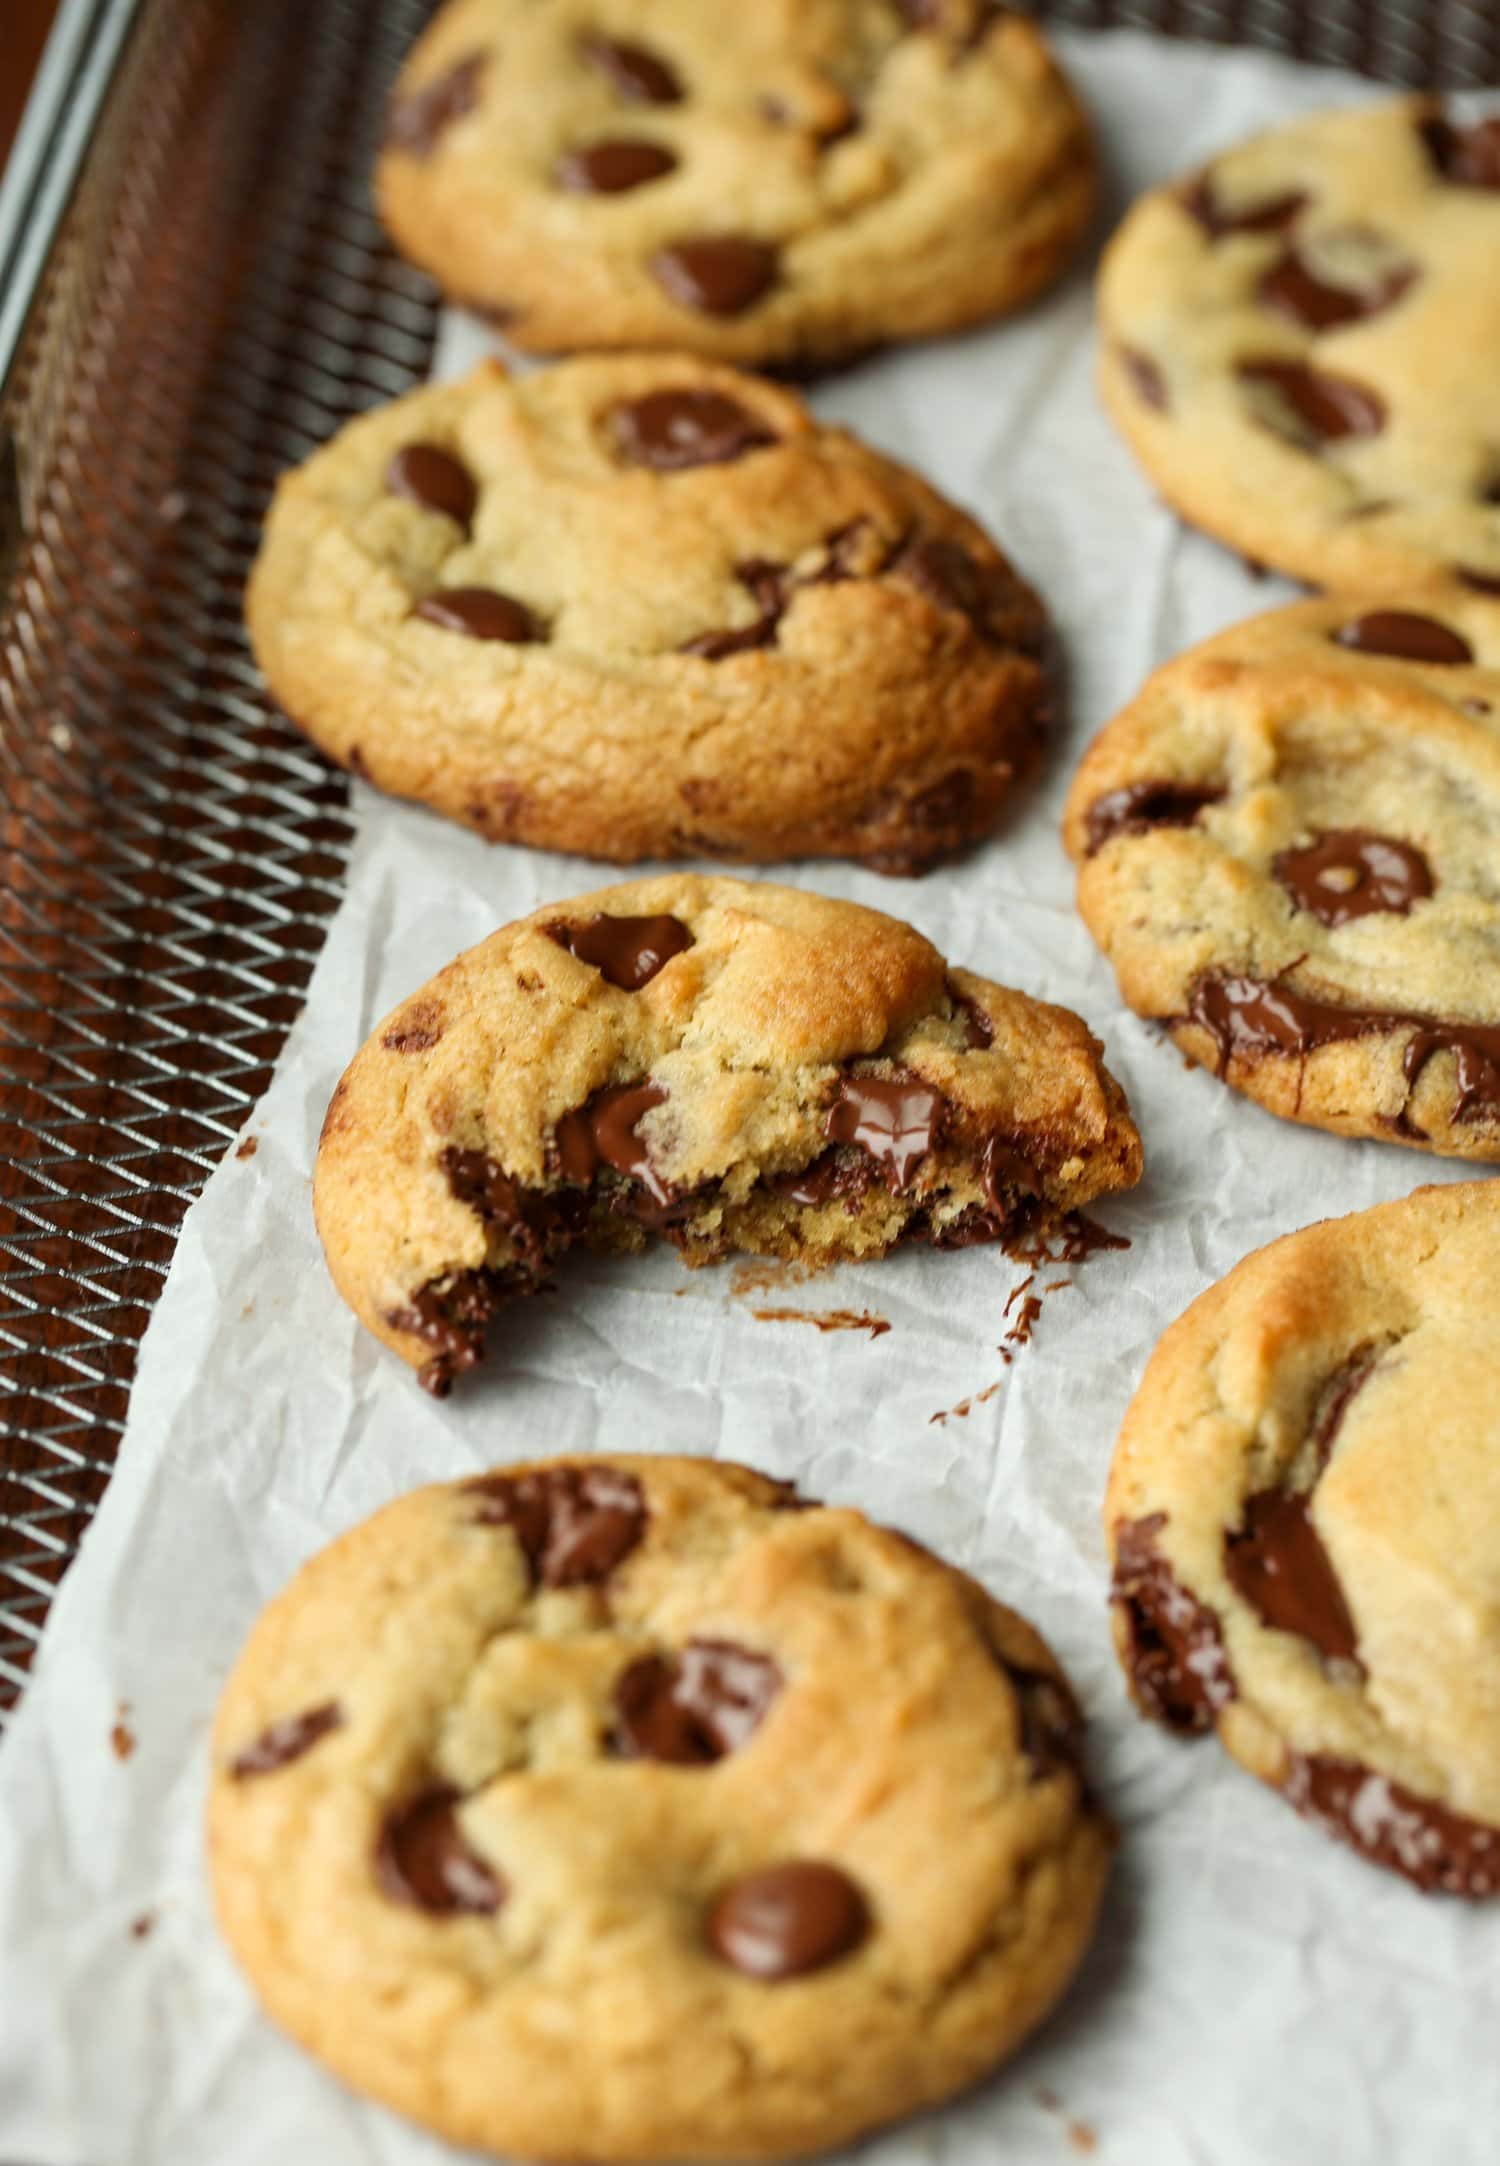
(1256, 1993)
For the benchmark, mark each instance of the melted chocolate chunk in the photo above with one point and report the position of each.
(1273, 215)
(670, 430)
(770, 588)
(1338, 1396)
(423, 1859)
(1326, 408)
(833, 1175)
(995, 602)
(1006, 1173)
(611, 167)
(1427, 1842)
(1346, 873)
(482, 1184)
(574, 1523)
(1291, 289)
(788, 1919)
(602, 1134)
(286, 1740)
(417, 118)
(1146, 375)
(895, 1122)
(1051, 1723)
(433, 478)
(1179, 1672)
(1136, 807)
(626, 952)
(1406, 635)
(1248, 1016)
(979, 1031)
(452, 1314)
(480, 613)
(1468, 157)
(707, 1703)
(1277, 1563)
(718, 274)
(1481, 582)
(636, 72)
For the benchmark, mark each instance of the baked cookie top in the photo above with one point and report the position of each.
(1297, 342)
(1288, 846)
(636, 1809)
(1304, 1515)
(732, 1065)
(792, 182)
(649, 607)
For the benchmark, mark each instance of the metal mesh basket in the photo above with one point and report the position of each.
(214, 299)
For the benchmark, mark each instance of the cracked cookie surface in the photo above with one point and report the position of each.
(1304, 1517)
(1288, 846)
(637, 1809)
(1297, 342)
(735, 1066)
(792, 182)
(649, 607)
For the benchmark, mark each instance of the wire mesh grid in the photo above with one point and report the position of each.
(218, 302)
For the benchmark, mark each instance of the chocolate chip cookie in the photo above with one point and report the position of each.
(735, 1067)
(790, 182)
(1304, 1515)
(649, 607)
(640, 1809)
(1297, 345)
(1289, 848)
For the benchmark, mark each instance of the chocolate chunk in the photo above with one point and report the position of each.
(719, 274)
(1468, 157)
(1338, 1396)
(771, 589)
(1179, 1672)
(1277, 1563)
(1326, 407)
(979, 1031)
(1406, 635)
(1273, 215)
(896, 1122)
(415, 1029)
(829, 1177)
(1051, 1723)
(482, 1183)
(1000, 608)
(1147, 377)
(1427, 1842)
(1481, 582)
(574, 1523)
(636, 72)
(1136, 807)
(286, 1740)
(602, 1134)
(1007, 1173)
(434, 479)
(673, 429)
(694, 1710)
(611, 167)
(417, 118)
(1346, 873)
(627, 952)
(423, 1859)
(480, 613)
(788, 1919)
(1292, 290)
(451, 1313)
(1247, 1016)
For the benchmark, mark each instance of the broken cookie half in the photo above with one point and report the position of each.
(737, 1067)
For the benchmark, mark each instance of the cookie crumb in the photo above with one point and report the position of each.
(247, 1147)
(143, 1925)
(1083, 2137)
(767, 1275)
(122, 1737)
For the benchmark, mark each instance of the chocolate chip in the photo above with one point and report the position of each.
(480, 613)
(481, 1184)
(770, 588)
(1480, 582)
(694, 1710)
(1416, 1836)
(830, 1177)
(574, 1523)
(1001, 608)
(1273, 215)
(602, 1134)
(1007, 1173)
(719, 274)
(417, 1027)
(1295, 291)
(1178, 1669)
(788, 1919)
(286, 1740)
(1137, 807)
(423, 1859)
(1146, 375)
(612, 167)
(636, 72)
(433, 478)
(896, 1122)
(1276, 1562)
(451, 1313)
(1051, 1722)
(1327, 408)
(417, 118)
(1467, 157)
(673, 429)
(1346, 873)
(1406, 635)
(627, 952)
